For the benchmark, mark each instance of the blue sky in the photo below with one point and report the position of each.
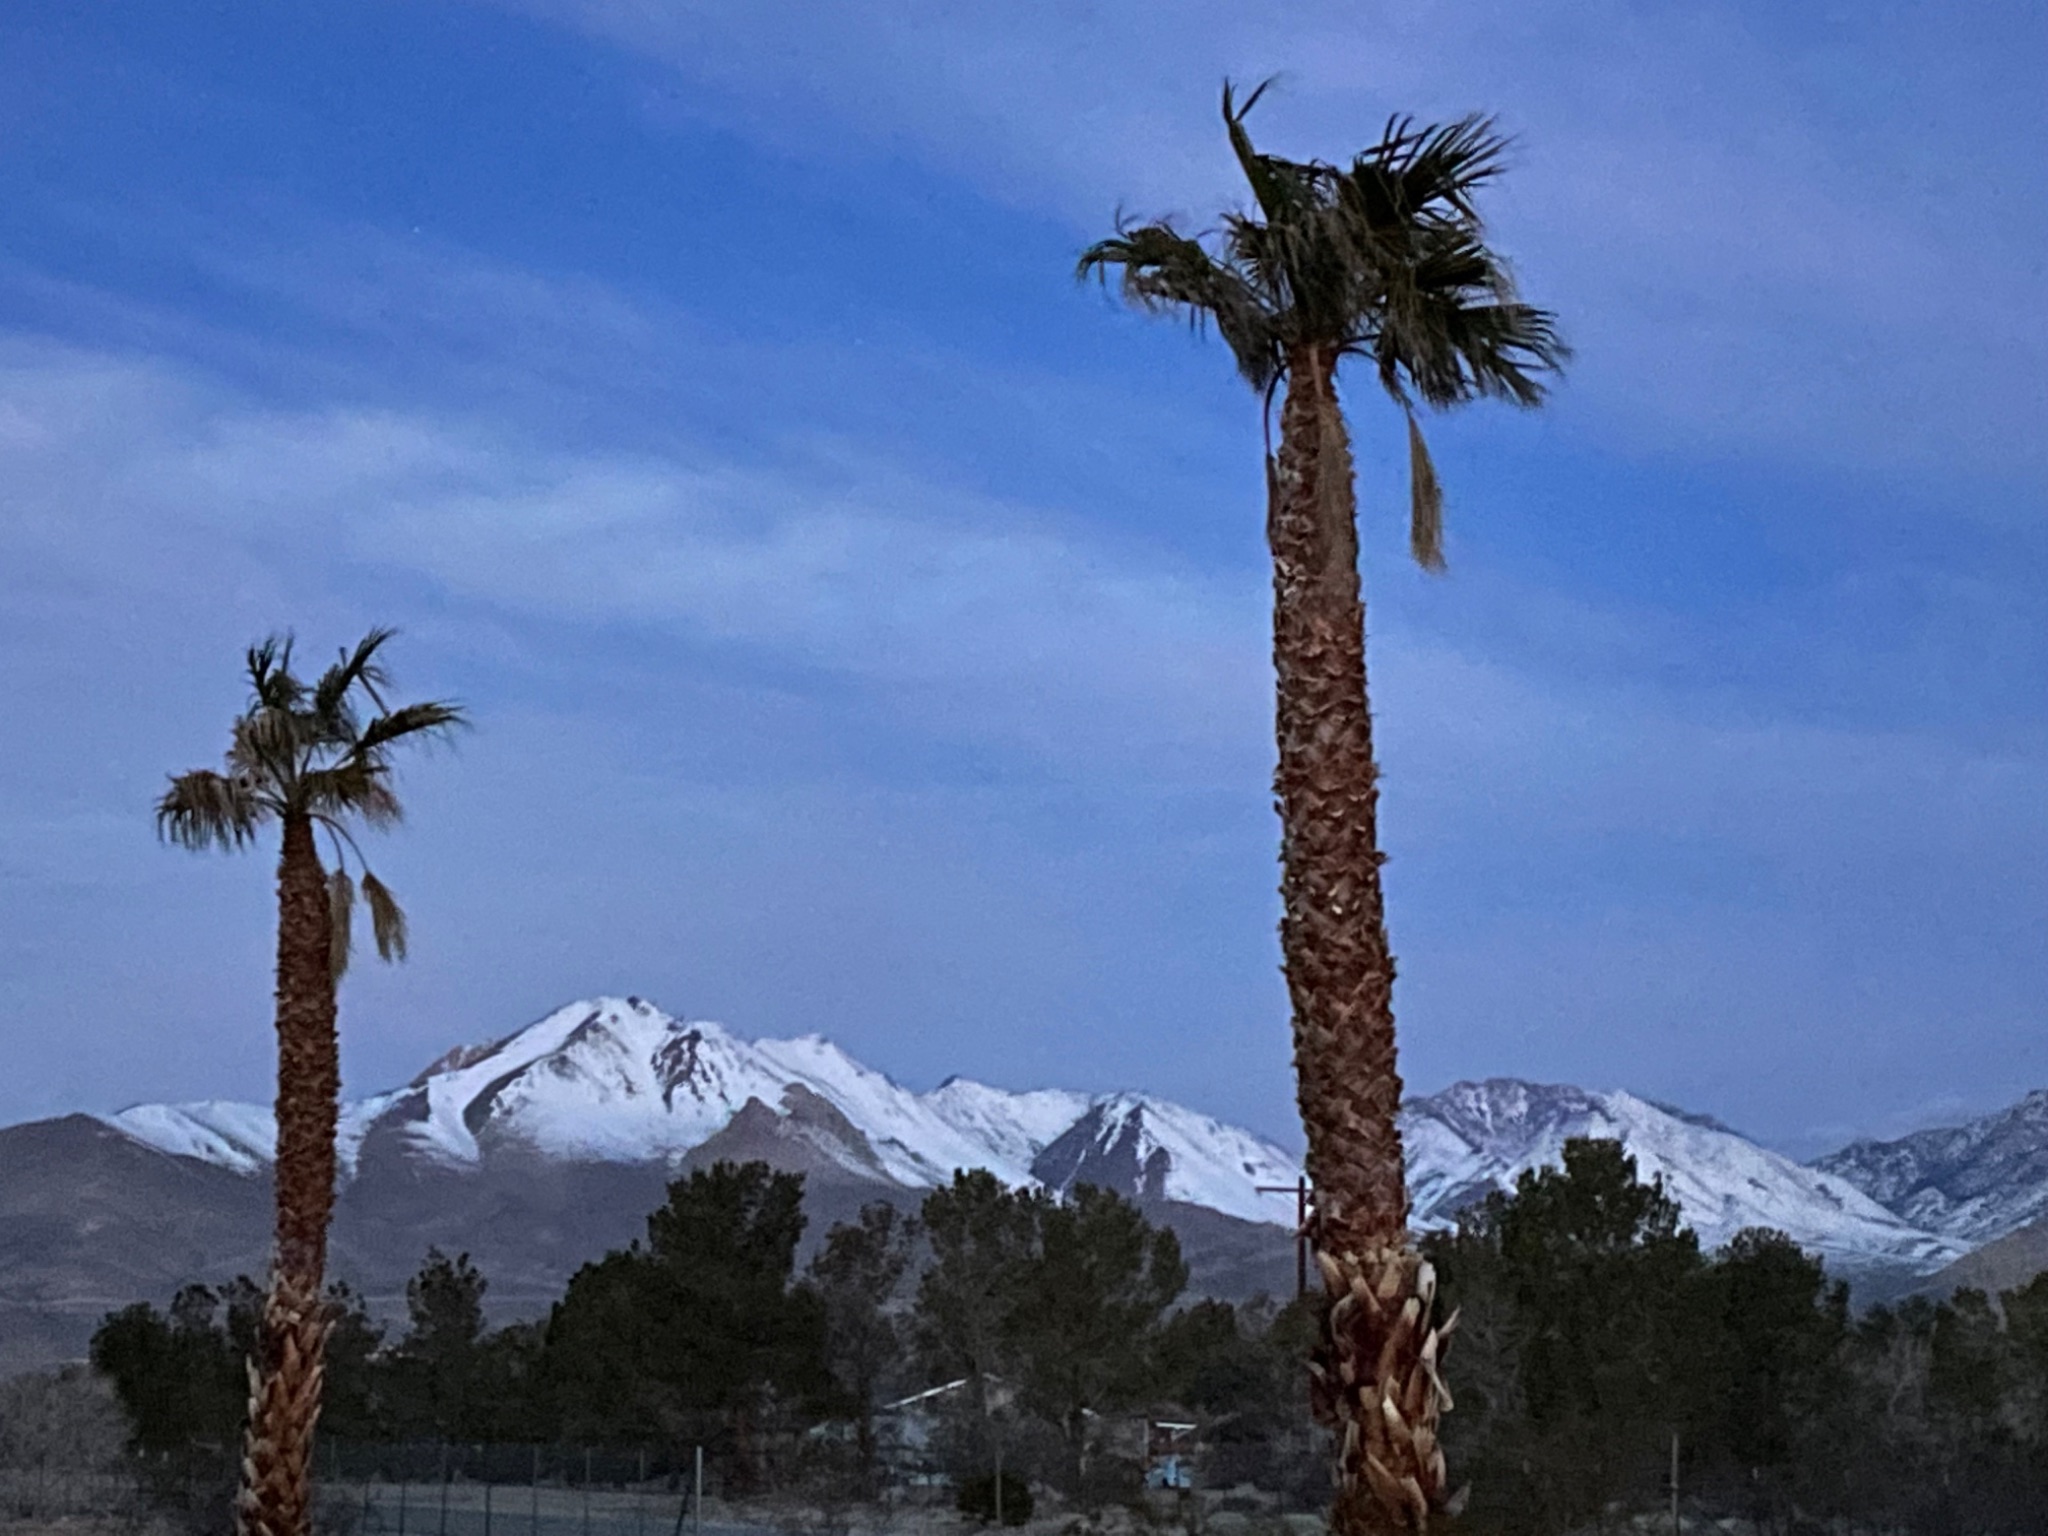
(866, 624)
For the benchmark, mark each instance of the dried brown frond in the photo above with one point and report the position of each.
(1426, 503)
(387, 919)
(203, 809)
(1336, 505)
(341, 906)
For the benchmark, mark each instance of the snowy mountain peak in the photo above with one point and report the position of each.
(609, 1080)
(1477, 1137)
(1015, 1126)
(1160, 1151)
(1506, 1111)
(618, 1080)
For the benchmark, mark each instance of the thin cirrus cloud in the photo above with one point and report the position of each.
(992, 618)
(1747, 265)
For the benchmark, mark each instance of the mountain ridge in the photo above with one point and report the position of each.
(542, 1149)
(619, 1080)
(1976, 1183)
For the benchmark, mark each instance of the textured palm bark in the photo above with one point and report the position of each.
(275, 1498)
(1374, 1375)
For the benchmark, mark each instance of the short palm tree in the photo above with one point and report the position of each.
(1384, 260)
(311, 758)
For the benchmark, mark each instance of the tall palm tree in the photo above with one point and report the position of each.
(1384, 260)
(309, 757)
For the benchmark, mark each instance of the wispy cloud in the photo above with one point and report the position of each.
(1748, 268)
(977, 619)
(1536, 820)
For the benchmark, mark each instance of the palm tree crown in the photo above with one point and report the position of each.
(1385, 260)
(311, 751)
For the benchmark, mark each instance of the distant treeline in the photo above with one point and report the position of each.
(1593, 1333)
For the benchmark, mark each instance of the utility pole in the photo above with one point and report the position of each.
(1674, 1483)
(1298, 1189)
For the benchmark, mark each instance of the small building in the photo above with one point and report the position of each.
(1170, 1447)
(907, 1428)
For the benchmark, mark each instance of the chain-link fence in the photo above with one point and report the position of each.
(522, 1490)
(46, 1494)
(433, 1489)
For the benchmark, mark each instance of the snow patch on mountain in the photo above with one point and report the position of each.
(1975, 1182)
(241, 1137)
(917, 1144)
(1015, 1127)
(1475, 1137)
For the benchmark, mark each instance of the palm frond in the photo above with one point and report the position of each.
(203, 809)
(269, 741)
(387, 920)
(1504, 347)
(437, 718)
(355, 786)
(1383, 259)
(358, 668)
(1426, 503)
(300, 752)
(341, 907)
(1161, 270)
(269, 663)
(1445, 164)
(1279, 186)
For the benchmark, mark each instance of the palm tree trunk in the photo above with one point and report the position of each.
(1373, 1377)
(275, 1497)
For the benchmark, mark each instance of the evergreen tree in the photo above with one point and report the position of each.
(1776, 1371)
(856, 1276)
(353, 1407)
(1084, 1318)
(1594, 1368)
(699, 1333)
(172, 1372)
(437, 1376)
(980, 1235)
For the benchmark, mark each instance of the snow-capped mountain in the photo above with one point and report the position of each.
(619, 1081)
(1160, 1151)
(1974, 1183)
(1014, 1126)
(1476, 1137)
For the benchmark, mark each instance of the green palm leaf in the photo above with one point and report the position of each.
(322, 752)
(1384, 259)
